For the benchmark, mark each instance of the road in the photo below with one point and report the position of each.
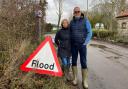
(108, 66)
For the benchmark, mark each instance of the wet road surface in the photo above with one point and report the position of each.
(108, 66)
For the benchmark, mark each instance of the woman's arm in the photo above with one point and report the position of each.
(57, 38)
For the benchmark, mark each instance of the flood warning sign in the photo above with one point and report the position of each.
(43, 60)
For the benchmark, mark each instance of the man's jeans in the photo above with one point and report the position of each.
(82, 50)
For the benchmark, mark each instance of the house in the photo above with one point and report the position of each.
(122, 20)
(99, 26)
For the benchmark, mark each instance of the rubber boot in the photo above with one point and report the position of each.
(85, 78)
(74, 70)
(67, 74)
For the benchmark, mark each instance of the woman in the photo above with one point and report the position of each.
(62, 39)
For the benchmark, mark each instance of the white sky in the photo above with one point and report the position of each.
(51, 16)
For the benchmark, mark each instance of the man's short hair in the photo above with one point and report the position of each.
(76, 8)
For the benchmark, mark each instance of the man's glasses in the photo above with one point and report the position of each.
(76, 12)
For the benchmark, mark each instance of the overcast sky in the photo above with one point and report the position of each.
(51, 15)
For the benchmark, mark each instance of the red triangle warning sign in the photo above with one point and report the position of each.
(43, 60)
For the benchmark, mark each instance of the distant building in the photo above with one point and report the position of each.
(122, 19)
(54, 28)
(99, 26)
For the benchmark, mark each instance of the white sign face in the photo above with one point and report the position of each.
(44, 60)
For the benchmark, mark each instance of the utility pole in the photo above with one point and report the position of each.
(87, 8)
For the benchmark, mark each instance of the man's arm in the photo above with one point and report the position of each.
(89, 32)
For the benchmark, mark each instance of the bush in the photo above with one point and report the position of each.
(122, 39)
(103, 34)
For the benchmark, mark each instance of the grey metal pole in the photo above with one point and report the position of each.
(87, 8)
(38, 15)
(39, 29)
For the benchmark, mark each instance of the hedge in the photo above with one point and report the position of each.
(102, 34)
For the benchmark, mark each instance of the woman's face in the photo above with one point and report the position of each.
(65, 24)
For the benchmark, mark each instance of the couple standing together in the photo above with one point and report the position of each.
(72, 39)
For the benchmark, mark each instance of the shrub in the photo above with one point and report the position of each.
(103, 34)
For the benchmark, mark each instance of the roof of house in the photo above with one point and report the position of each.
(123, 14)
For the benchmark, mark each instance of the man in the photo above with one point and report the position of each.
(81, 34)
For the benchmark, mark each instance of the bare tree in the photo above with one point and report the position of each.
(59, 7)
(109, 9)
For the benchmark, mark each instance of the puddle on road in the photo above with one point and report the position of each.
(99, 46)
(105, 48)
(113, 57)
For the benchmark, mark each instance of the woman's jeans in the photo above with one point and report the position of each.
(65, 61)
(82, 50)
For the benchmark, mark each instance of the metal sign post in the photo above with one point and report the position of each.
(38, 14)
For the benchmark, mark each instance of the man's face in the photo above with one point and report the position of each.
(77, 12)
